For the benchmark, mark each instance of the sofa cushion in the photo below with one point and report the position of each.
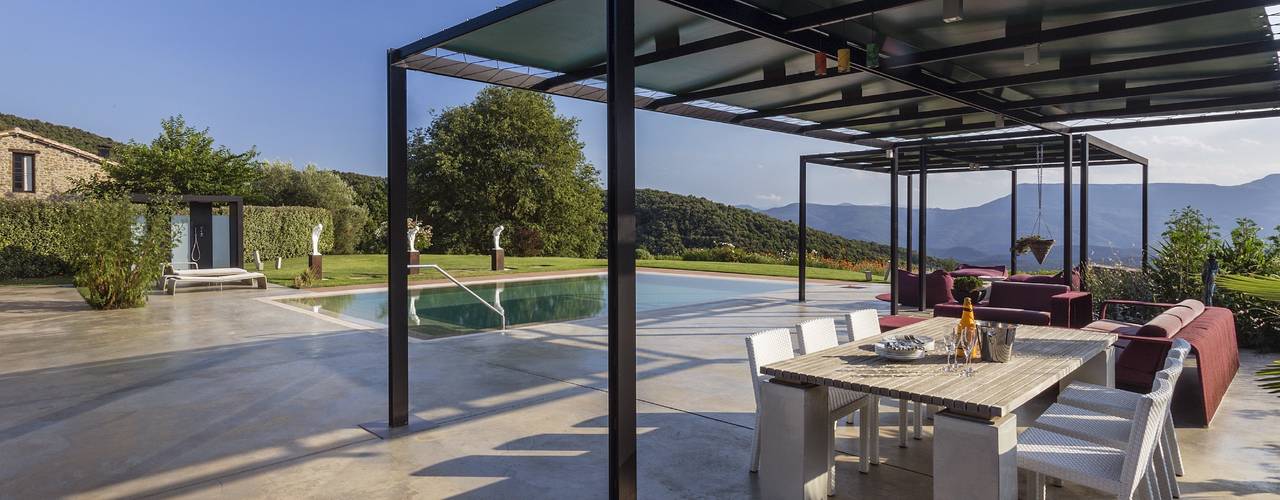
(1184, 314)
(1044, 278)
(1000, 314)
(1164, 325)
(1113, 326)
(1015, 295)
(978, 271)
(1194, 305)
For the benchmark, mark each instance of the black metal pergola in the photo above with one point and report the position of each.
(969, 154)
(878, 73)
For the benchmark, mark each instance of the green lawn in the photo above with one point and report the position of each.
(342, 270)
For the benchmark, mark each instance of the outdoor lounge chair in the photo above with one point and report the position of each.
(171, 281)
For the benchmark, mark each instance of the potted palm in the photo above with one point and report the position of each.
(967, 286)
(1034, 243)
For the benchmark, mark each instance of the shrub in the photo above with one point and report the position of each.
(527, 242)
(285, 231)
(306, 279)
(1122, 283)
(119, 250)
(643, 253)
(348, 223)
(35, 237)
(729, 253)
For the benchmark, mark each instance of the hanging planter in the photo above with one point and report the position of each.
(1037, 245)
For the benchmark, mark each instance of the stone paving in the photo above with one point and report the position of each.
(217, 394)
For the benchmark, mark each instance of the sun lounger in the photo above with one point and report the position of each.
(171, 281)
(213, 271)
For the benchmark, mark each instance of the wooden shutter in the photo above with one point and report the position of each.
(17, 173)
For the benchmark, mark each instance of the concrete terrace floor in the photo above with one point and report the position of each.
(218, 395)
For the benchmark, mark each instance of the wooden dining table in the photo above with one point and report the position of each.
(975, 433)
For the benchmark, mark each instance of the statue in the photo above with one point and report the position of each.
(413, 237)
(1209, 273)
(497, 234)
(315, 239)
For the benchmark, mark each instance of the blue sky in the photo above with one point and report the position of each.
(304, 81)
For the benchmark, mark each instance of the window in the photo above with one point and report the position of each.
(24, 172)
(104, 151)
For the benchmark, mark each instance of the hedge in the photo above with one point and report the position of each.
(36, 237)
(284, 231)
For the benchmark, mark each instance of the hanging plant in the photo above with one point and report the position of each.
(1038, 246)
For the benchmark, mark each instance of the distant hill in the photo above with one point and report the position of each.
(981, 234)
(669, 224)
(72, 136)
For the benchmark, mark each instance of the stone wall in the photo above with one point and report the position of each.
(58, 166)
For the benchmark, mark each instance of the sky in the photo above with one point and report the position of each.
(305, 82)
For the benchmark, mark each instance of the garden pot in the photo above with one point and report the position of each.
(1040, 249)
(973, 296)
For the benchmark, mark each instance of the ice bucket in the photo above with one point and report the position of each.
(997, 340)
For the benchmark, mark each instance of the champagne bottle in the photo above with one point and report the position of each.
(966, 330)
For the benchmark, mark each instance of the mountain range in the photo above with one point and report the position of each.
(980, 234)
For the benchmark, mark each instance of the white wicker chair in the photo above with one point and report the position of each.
(865, 323)
(1121, 471)
(818, 334)
(771, 346)
(1119, 403)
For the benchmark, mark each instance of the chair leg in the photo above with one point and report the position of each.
(918, 421)
(1159, 473)
(1171, 437)
(904, 417)
(864, 439)
(1035, 486)
(1171, 479)
(755, 445)
(831, 458)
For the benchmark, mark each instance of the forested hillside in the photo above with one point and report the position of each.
(669, 224)
(71, 136)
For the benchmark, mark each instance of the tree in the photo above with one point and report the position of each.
(370, 193)
(507, 159)
(279, 184)
(181, 160)
(1189, 239)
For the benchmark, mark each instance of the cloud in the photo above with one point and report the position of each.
(1178, 141)
(770, 197)
(1251, 142)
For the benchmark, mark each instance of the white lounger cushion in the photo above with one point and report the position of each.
(215, 271)
(229, 278)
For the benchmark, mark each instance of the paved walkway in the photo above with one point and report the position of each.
(214, 394)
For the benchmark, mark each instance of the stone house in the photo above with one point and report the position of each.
(41, 167)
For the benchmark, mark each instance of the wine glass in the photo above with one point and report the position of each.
(970, 348)
(949, 343)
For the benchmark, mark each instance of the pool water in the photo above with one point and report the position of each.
(445, 311)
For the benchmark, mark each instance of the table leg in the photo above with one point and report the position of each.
(796, 424)
(975, 458)
(1098, 370)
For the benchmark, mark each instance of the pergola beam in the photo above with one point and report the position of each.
(739, 88)
(765, 24)
(842, 13)
(1185, 57)
(1120, 23)
(656, 56)
(1206, 104)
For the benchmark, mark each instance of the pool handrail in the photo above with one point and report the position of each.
(497, 308)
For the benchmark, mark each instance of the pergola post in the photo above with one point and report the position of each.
(397, 245)
(923, 255)
(893, 231)
(620, 194)
(1013, 220)
(909, 217)
(803, 237)
(1145, 227)
(1084, 208)
(1067, 161)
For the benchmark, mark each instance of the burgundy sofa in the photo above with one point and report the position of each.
(979, 271)
(1211, 331)
(937, 288)
(1044, 278)
(1028, 304)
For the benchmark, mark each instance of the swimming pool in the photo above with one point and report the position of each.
(445, 311)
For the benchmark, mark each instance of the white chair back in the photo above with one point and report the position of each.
(769, 346)
(862, 324)
(1174, 362)
(817, 334)
(1148, 420)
